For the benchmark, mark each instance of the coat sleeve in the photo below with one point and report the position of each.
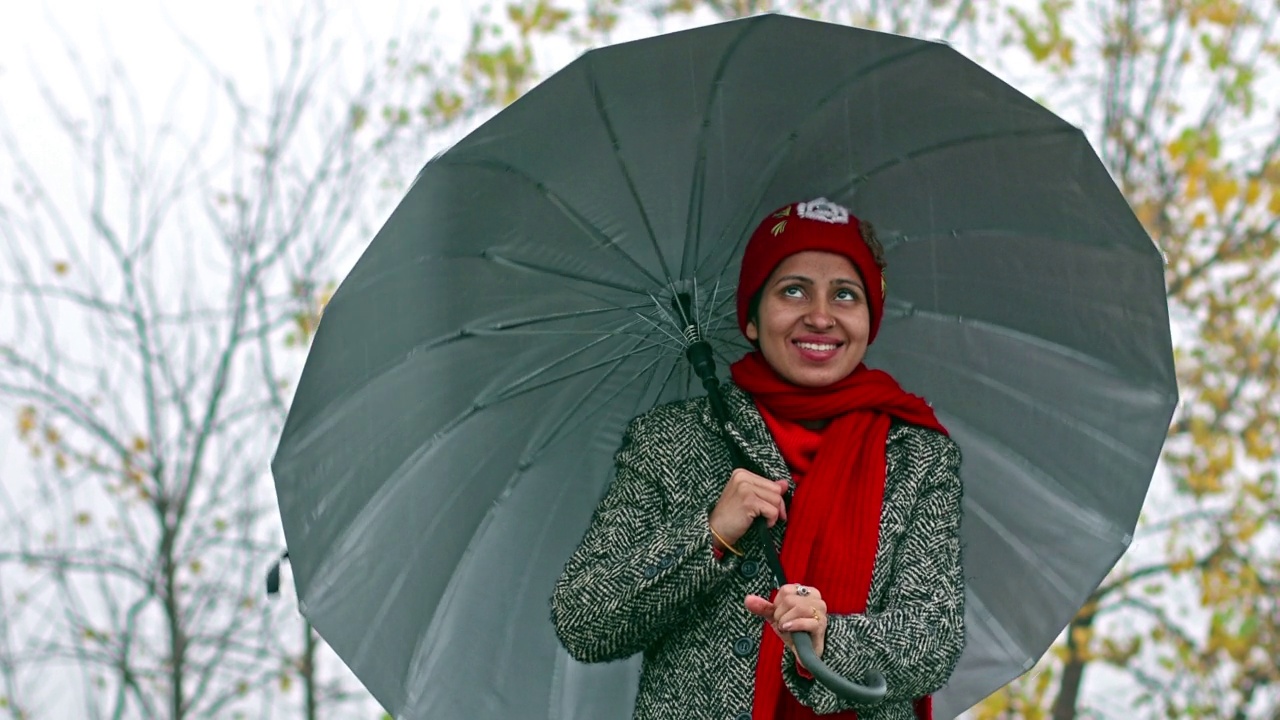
(641, 565)
(916, 639)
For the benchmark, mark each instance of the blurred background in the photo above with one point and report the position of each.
(183, 185)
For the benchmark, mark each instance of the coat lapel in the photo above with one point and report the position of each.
(748, 430)
(746, 427)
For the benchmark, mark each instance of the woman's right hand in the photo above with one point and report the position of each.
(746, 497)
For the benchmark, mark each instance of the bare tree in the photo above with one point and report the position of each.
(150, 291)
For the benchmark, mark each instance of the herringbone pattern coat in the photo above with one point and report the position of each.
(645, 580)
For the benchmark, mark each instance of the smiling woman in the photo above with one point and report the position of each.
(811, 322)
(866, 494)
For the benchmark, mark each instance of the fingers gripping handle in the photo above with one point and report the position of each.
(871, 690)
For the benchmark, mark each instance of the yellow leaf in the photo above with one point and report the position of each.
(1080, 635)
(61, 267)
(1252, 191)
(1274, 205)
(994, 706)
(1256, 446)
(1066, 51)
(1197, 168)
(1222, 192)
(139, 444)
(1199, 221)
(1183, 564)
(26, 421)
(1222, 12)
(286, 682)
(83, 518)
(196, 567)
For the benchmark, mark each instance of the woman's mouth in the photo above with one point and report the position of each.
(817, 351)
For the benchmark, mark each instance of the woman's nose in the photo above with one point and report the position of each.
(819, 316)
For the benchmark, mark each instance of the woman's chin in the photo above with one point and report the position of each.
(814, 377)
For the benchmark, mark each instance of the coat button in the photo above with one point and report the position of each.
(665, 562)
(743, 646)
(749, 569)
(650, 572)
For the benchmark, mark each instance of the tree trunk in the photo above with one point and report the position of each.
(177, 639)
(1064, 705)
(308, 670)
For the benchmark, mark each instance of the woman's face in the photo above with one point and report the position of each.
(813, 320)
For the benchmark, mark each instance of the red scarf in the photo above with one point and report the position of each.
(833, 526)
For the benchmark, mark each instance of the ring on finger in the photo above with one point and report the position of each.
(817, 614)
(802, 590)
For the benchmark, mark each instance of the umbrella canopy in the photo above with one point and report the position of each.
(455, 423)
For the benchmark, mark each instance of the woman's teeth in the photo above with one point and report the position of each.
(817, 347)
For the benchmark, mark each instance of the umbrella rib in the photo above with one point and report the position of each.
(560, 274)
(553, 317)
(728, 362)
(512, 391)
(616, 146)
(564, 425)
(904, 310)
(602, 333)
(693, 221)
(580, 221)
(783, 149)
(436, 438)
(679, 340)
(947, 145)
(449, 593)
(1097, 434)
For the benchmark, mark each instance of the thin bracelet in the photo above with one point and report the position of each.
(727, 546)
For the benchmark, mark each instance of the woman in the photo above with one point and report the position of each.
(869, 539)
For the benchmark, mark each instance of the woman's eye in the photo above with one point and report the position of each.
(846, 295)
(792, 291)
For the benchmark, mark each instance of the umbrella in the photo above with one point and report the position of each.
(456, 419)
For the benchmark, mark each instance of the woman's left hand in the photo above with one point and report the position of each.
(795, 608)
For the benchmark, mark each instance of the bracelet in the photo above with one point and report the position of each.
(726, 545)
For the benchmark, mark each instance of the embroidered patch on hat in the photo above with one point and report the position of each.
(782, 225)
(824, 210)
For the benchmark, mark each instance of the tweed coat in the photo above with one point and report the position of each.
(645, 579)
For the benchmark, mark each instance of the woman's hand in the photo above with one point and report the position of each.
(746, 497)
(795, 608)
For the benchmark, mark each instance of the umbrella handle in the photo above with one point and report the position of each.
(871, 690)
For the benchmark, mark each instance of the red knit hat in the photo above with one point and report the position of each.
(815, 225)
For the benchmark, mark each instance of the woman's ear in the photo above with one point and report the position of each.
(753, 333)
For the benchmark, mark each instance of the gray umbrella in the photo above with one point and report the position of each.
(455, 423)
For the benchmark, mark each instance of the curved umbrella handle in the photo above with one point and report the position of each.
(872, 689)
